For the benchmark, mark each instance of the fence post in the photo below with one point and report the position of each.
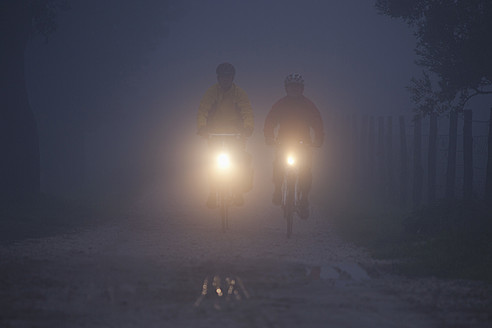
(336, 157)
(355, 153)
(431, 159)
(381, 159)
(468, 156)
(488, 179)
(451, 165)
(403, 163)
(418, 171)
(364, 152)
(389, 157)
(348, 158)
(372, 139)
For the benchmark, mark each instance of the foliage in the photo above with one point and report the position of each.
(454, 44)
(43, 14)
(448, 240)
(39, 15)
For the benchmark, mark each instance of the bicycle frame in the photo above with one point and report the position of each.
(224, 174)
(292, 160)
(290, 196)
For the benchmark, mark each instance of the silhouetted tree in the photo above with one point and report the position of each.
(132, 29)
(454, 45)
(19, 145)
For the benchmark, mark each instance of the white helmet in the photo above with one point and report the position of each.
(294, 78)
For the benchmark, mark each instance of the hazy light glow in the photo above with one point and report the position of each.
(291, 160)
(223, 161)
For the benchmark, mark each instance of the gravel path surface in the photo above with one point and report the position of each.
(174, 268)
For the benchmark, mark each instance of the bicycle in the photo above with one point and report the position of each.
(226, 171)
(291, 193)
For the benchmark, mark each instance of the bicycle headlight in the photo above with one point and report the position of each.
(223, 161)
(291, 160)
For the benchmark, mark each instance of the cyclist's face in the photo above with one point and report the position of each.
(294, 90)
(225, 81)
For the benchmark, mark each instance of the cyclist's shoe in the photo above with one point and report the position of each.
(238, 199)
(277, 197)
(212, 200)
(304, 208)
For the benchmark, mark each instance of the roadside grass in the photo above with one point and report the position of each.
(446, 240)
(47, 216)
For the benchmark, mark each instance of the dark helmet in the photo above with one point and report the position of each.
(294, 78)
(225, 69)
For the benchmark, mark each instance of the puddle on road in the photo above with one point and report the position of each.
(222, 289)
(219, 290)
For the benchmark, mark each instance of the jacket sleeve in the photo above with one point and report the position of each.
(317, 125)
(271, 122)
(245, 109)
(206, 104)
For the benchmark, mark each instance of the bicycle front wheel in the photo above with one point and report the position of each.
(224, 212)
(289, 207)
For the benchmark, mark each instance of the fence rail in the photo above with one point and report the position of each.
(414, 160)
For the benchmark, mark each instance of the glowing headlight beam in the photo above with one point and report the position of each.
(291, 160)
(223, 161)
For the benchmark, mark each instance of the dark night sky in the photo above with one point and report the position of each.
(129, 97)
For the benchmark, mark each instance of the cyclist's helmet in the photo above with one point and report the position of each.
(225, 69)
(294, 78)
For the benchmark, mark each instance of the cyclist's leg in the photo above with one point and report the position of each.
(243, 181)
(305, 183)
(212, 196)
(278, 176)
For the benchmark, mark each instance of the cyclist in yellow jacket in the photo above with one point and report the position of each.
(225, 108)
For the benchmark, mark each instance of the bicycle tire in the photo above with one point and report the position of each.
(289, 206)
(223, 212)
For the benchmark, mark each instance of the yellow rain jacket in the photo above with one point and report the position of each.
(225, 112)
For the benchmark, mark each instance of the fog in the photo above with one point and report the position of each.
(115, 92)
(121, 232)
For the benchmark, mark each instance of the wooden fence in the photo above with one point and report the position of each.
(416, 161)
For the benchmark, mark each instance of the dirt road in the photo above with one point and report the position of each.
(174, 268)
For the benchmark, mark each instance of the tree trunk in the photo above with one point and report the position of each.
(468, 156)
(488, 181)
(19, 142)
(389, 158)
(418, 171)
(432, 159)
(451, 166)
(403, 163)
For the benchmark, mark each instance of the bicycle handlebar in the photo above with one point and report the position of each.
(276, 143)
(224, 134)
